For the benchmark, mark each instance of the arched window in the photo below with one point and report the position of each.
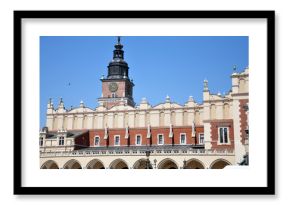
(138, 140)
(160, 139)
(97, 141)
(182, 138)
(117, 140)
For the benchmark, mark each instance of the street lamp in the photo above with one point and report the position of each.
(147, 160)
(184, 164)
(155, 161)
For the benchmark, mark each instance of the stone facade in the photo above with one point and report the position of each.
(207, 135)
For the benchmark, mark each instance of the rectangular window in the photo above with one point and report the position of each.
(182, 138)
(201, 138)
(117, 140)
(223, 135)
(61, 141)
(138, 139)
(160, 140)
(97, 141)
(41, 141)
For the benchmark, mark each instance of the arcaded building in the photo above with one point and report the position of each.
(120, 134)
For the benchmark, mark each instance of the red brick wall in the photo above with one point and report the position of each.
(198, 130)
(121, 133)
(215, 124)
(82, 141)
(178, 131)
(243, 120)
(100, 133)
(119, 92)
(143, 132)
(123, 88)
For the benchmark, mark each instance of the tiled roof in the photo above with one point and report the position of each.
(70, 134)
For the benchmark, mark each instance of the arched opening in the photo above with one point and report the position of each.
(243, 87)
(213, 111)
(185, 118)
(161, 119)
(194, 164)
(119, 164)
(197, 117)
(219, 164)
(226, 111)
(167, 164)
(50, 164)
(72, 164)
(95, 164)
(141, 164)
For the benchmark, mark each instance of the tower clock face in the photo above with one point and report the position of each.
(113, 87)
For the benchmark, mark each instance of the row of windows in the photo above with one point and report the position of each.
(223, 133)
(160, 139)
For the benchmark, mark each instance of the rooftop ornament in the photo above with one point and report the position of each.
(167, 98)
(205, 85)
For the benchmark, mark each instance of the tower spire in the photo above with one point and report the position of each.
(118, 67)
(118, 77)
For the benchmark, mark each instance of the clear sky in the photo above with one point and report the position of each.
(71, 67)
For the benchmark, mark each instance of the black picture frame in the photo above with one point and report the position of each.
(19, 189)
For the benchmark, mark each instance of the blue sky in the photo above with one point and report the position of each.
(71, 67)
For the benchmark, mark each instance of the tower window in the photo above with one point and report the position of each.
(114, 95)
(61, 141)
(223, 135)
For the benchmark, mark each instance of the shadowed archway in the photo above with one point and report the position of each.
(141, 164)
(167, 164)
(219, 164)
(50, 164)
(194, 164)
(72, 164)
(95, 164)
(119, 164)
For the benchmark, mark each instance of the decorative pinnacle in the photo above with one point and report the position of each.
(167, 98)
(205, 85)
(235, 68)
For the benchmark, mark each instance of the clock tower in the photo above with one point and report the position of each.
(117, 88)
